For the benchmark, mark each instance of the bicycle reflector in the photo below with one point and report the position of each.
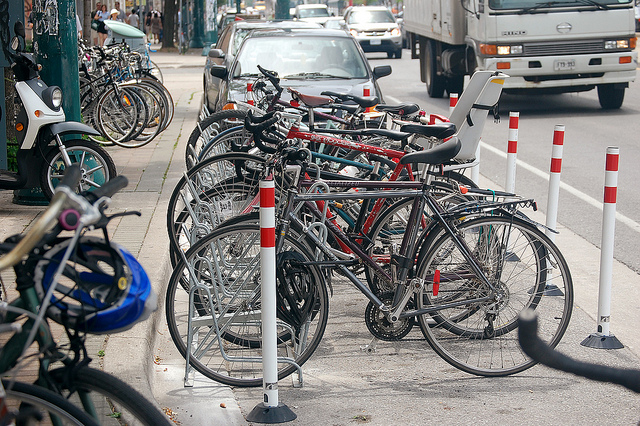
(103, 288)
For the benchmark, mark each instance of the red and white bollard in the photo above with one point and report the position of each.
(270, 410)
(250, 100)
(512, 152)
(603, 339)
(453, 101)
(554, 181)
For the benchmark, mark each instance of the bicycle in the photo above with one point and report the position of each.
(463, 279)
(87, 284)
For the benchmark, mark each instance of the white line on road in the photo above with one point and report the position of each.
(573, 191)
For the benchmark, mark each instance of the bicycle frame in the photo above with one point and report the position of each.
(404, 287)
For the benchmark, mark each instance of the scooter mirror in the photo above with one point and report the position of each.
(15, 44)
(18, 29)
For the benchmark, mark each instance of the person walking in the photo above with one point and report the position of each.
(156, 26)
(94, 31)
(101, 16)
(133, 19)
(122, 17)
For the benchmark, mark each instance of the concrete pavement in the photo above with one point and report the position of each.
(403, 382)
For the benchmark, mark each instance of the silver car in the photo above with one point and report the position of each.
(375, 28)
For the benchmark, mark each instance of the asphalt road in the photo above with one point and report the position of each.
(589, 130)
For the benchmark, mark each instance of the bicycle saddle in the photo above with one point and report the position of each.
(440, 131)
(437, 155)
(402, 109)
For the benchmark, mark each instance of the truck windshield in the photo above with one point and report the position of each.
(536, 6)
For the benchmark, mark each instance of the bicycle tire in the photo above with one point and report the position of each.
(150, 119)
(236, 168)
(207, 129)
(107, 396)
(27, 403)
(231, 255)
(529, 271)
(225, 141)
(158, 88)
(117, 114)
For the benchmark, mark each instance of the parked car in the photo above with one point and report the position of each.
(224, 50)
(335, 23)
(318, 13)
(375, 28)
(400, 21)
(309, 60)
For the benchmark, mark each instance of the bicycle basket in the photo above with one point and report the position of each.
(103, 288)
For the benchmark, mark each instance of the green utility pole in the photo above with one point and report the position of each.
(198, 25)
(55, 43)
(211, 30)
(282, 9)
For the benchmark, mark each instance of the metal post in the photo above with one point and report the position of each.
(282, 9)
(270, 410)
(512, 152)
(453, 101)
(554, 181)
(603, 339)
(211, 30)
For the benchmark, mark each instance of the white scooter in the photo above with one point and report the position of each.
(41, 128)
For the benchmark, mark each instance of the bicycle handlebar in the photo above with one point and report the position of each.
(257, 125)
(44, 222)
(109, 188)
(540, 352)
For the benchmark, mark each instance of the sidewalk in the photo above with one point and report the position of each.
(404, 382)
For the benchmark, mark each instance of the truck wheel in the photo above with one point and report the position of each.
(399, 53)
(435, 82)
(610, 96)
(455, 84)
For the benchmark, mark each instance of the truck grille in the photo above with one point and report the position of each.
(568, 48)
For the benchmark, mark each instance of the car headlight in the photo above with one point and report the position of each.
(395, 32)
(353, 33)
(52, 97)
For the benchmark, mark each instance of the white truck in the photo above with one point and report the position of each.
(551, 46)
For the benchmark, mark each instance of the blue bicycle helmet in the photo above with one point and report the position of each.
(103, 288)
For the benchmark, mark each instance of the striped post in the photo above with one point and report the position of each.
(603, 339)
(475, 170)
(453, 101)
(250, 94)
(608, 229)
(270, 410)
(512, 152)
(554, 180)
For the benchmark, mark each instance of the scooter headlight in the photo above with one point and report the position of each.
(52, 96)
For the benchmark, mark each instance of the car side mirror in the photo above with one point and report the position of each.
(382, 71)
(216, 53)
(219, 71)
(18, 29)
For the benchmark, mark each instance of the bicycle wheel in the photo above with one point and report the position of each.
(26, 404)
(117, 114)
(209, 128)
(150, 119)
(225, 312)
(96, 166)
(527, 271)
(193, 192)
(164, 95)
(107, 398)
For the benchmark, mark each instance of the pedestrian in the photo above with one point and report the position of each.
(122, 17)
(78, 27)
(95, 25)
(147, 25)
(101, 16)
(156, 26)
(133, 19)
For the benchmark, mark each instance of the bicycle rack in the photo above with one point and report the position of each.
(191, 345)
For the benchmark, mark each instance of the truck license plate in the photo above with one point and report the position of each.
(564, 64)
(375, 42)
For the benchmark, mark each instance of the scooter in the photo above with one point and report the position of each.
(43, 133)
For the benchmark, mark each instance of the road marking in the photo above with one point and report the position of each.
(574, 191)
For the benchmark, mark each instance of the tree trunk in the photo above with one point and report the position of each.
(168, 26)
(86, 21)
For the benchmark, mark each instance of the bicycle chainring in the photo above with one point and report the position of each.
(380, 326)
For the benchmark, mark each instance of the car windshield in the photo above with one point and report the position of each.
(536, 6)
(301, 57)
(371, 17)
(315, 12)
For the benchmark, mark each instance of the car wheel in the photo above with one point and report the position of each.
(399, 53)
(389, 55)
